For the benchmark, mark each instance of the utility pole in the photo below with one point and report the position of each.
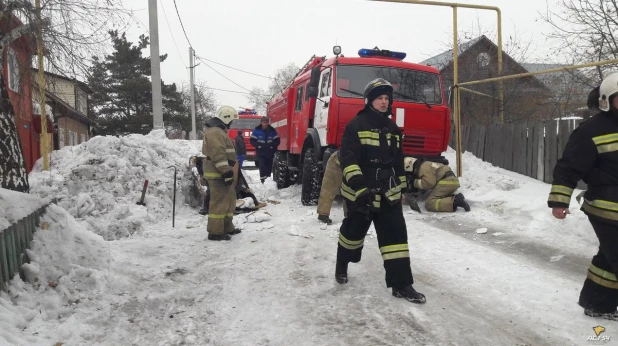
(155, 67)
(193, 134)
(41, 81)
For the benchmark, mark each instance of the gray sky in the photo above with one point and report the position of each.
(262, 36)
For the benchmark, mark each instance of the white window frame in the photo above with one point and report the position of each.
(82, 138)
(13, 69)
(61, 138)
(81, 96)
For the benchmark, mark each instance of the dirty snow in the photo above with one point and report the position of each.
(106, 271)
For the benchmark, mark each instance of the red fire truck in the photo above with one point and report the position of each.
(311, 113)
(247, 120)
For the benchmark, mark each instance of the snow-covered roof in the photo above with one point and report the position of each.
(443, 59)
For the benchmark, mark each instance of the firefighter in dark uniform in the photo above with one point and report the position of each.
(219, 172)
(591, 155)
(373, 177)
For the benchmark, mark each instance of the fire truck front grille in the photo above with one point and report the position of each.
(413, 142)
(428, 143)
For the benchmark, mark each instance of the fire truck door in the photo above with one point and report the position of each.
(320, 119)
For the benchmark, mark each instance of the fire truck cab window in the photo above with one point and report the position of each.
(409, 85)
(325, 87)
(299, 99)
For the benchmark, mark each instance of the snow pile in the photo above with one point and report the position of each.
(14, 206)
(504, 201)
(100, 181)
(68, 268)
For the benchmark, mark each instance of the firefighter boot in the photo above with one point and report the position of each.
(325, 219)
(409, 293)
(613, 316)
(235, 231)
(341, 272)
(460, 201)
(219, 237)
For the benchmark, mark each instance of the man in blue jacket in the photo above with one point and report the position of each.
(265, 140)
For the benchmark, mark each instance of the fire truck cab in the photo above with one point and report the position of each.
(248, 119)
(311, 113)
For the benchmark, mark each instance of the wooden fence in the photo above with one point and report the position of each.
(14, 241)
(530, 149)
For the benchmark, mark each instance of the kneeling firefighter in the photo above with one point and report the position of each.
(440, 179)
(219, 173)
(373, 178)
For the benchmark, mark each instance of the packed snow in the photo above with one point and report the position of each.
(105, 270)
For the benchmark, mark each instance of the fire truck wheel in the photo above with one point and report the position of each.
(280, 171)
(311, 179)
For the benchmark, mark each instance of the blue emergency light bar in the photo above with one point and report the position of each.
(246, 112)
(370, 53)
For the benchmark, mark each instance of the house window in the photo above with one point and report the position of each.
(483, 59)
(81, 101)
(299, 99)
(82, 138)
(13, 69)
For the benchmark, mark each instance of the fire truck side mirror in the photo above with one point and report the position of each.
(314, 81)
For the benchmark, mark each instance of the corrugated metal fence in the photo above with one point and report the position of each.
(14, 241)
(530, 149)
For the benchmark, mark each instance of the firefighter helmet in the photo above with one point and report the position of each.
(377, 87)
(608, 88)
(408, 164)
(227, 114)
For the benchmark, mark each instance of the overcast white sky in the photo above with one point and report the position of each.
(262, 36)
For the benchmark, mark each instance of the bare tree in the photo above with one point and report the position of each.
(587, 30)
(72, 30)
(205, 107)
(283, 76)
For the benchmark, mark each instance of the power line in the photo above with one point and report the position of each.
(202, 60)
(230, 91)
(183, 27)
(171, 33)
(237, 69)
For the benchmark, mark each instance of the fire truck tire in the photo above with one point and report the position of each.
(311, 179)
(280, 171)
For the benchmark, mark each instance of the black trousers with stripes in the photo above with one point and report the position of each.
(390, 230)
(594, 294)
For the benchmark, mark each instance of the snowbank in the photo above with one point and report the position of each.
(14, 206)
(100, 181)
(68, 268)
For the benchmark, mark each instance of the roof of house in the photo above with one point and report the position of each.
(561, 81)
(71, 112)
(442, 60)
(73, 80)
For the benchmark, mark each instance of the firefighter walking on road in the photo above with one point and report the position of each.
(331, 185)
(591, 155)
(265, 140)
(440, 179)
(219, 172)
(373, 178)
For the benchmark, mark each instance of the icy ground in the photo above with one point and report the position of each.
(109, 272)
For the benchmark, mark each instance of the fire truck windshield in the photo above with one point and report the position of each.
(409, 85)
(244, 123)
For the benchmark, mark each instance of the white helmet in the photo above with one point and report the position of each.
(227, 114)
(408, 164)
(609, 87)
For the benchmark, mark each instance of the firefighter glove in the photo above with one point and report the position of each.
(364, 198)
(228, 177)
(357, 182)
